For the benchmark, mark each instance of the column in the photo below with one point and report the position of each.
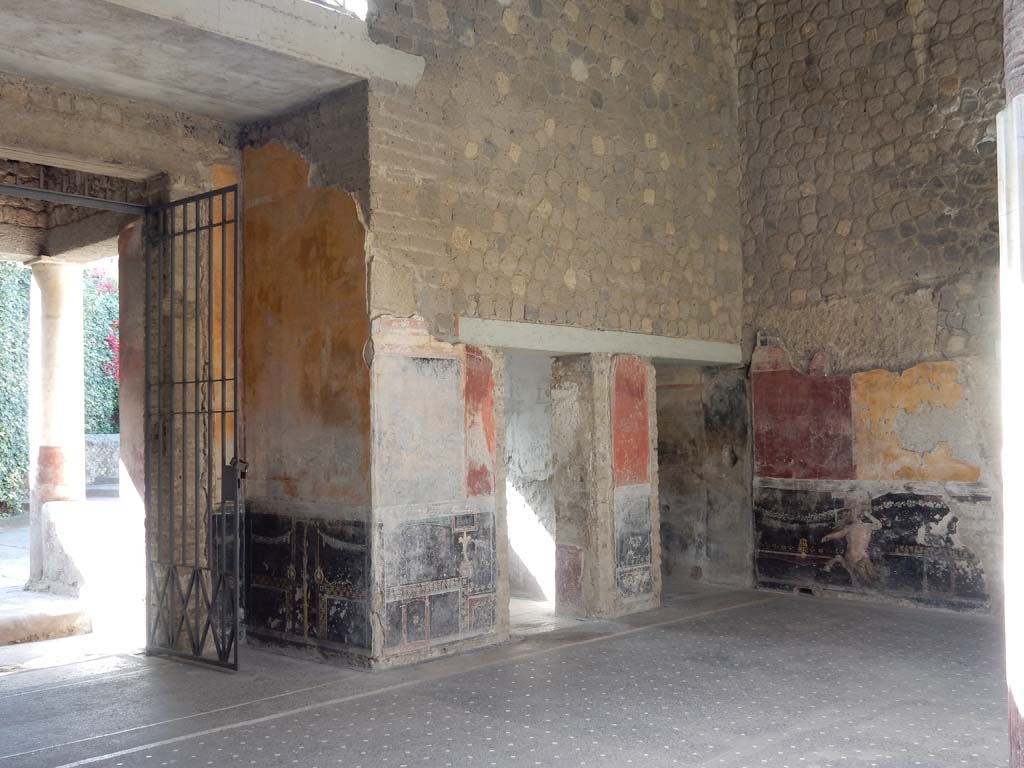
(604, 444)
(1011, 234)
(1011, 286)
(56, 396)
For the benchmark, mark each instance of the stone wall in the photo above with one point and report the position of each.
(604, 438)
(870, 181)
(440, 572)
(102, 458)
(85, 131)
(871, 242)
(560, 162)
(704, 476)
(306, 356)
(30, 228)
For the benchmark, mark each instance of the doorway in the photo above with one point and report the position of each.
(529, 494)
(65, 500)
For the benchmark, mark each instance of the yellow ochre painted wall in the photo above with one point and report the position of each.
(878, 399)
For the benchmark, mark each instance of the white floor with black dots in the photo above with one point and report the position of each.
(724, 679)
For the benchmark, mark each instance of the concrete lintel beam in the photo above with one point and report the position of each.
(566, 340)
(18, 243)
(297, 28)
(73, 163)
(88, 239)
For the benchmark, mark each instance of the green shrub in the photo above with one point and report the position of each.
(14, 293)
(101, 350)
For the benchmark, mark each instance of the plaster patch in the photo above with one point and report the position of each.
(905, 424)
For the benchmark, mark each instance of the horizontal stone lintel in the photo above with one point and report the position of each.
(567, 340)
(306, 31)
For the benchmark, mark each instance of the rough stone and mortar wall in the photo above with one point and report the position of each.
(18, 211)
(332, 134)
(869, 187)
(871, 255)
(560, 162)
(102, 456)
(30, 228)
(89, 129)
(704, 476)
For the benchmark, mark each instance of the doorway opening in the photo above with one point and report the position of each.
(71, 528)
(529, 493)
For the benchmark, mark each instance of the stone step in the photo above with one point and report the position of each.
(29, 616)
(102, 491)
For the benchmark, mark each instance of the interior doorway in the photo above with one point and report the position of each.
(529, 494)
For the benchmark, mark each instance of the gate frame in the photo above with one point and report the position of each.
(159, 247)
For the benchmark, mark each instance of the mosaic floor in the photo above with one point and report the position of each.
(733, 679)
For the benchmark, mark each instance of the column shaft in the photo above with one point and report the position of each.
(56, 396)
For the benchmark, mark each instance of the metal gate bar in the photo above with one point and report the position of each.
(194, 497)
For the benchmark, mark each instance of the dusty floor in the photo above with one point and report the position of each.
(716, 678)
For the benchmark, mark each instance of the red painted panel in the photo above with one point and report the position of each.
(631, 434)
(480, 444)
(803, 426)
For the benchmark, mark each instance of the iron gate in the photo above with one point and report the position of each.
(194, 478)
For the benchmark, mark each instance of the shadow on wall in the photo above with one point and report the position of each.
(704, 475)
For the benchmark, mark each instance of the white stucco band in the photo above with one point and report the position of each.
(567, 340)
(296, 28)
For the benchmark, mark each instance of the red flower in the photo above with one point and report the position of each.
(113, 368)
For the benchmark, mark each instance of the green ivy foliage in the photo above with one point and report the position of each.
(101, 353)
(101, 358)
(14, 293)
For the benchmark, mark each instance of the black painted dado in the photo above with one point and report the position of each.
(440, 579)
(915, 552)
(308, 581)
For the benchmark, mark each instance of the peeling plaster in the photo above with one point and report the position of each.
(906, 425)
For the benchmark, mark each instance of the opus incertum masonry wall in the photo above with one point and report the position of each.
(872, 482)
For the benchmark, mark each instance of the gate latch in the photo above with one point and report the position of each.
(241, 466)
(234, 474)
